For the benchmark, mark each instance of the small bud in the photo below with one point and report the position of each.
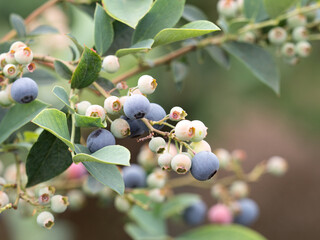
(157, 145)
(157, 195)
(300, 34)
(122, 204)
(177, 114)
(277, 35)
(96, 111)
(82, 107)
(120, 128)
(147, 84)
(157, 179)
(23, 56)
(4, 199)
(164, 161)
(277, 166)
(112, 105)
(59, 203)
(31, 67)
(10, 71)
(45, 219)
(111, 64)
(303, 49)
(239, 189)
(220, 214)
(200, 131)
(122, 85)
(184, 130)
(181, 163)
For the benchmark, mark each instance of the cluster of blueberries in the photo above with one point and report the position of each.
(291, 39)
(14, 87)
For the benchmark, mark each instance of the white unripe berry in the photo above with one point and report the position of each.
(157, 145)
(248, 37)
(239, 189)
(82, 107)
(76, 199)
(147, 84)
(5, 99)
(45, 219)
(181, 163)
(10, 59)
(16, 45)
(123, 99)
(10, 71)
(227, 8)
(112, 105)
(157, 179)
(23, 56)
(120, 128)
(224, 157)
(277, 35)
(157, 195)
(297, 21)
(177, 114)
(184, 130)
(111, 64)
(200, 146)
(96, 111)
(59, 203)
(46, 190)
(146, 158)
(217, 191)
(122, 204)
(277, 166)
(288, 50)
(200, 131)
(300, 34)
(303, 49)
(3, 60)
(164, 161)
(4, 199)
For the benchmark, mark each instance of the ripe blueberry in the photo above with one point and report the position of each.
(156, 113)
(134, 176)
(249, 212)
(24, 90)
(100, 138)
(204, 165)
(195, 214)
(137, 127)
(136, 106)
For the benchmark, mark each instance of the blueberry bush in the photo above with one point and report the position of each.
(56, 165)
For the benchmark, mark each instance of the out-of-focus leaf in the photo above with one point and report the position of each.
(219, 56)
(142, 46)
(17, 23)
(193, 13)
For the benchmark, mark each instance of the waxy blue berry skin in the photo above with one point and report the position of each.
(196, 213)
(100, 138)
(24, 90)
(204, 165)
(137, 127)
(134, 176)
(136, 106)
(156, 113)
(249, 212)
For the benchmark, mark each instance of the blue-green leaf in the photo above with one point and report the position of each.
(193, 13)
(17, 23)
(85, 121)
(43, 29)
(62, 95)
(255, 10)
(62, 69)
(142, 46)
(275, 7)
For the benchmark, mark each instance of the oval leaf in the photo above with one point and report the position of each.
(43, 29)
(87, 70)
(62, 70)
(275, 7)
(219, 56)
(222, 233)
(254, 9)
(47, 158)
(17, 23)
(258, 61)
(192, 13)
(163, 14)
(55, 122)
(62, 95)
(142, 46)
(103, 30)
(85, 121)
(114, 154)
(236, 25)
(128, 12)
(19, 115)
(190, 30)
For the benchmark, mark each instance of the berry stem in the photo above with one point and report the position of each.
(18, 181)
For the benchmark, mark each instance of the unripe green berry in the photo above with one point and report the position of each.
(300, 34)
(200, 131)
(277, 166)
(147, 84)
(157, 145)
(16, 45)
(120, 128)
(122, 204)
(4, 99)
(239, 189)
(288, 50)
(277, 35)
(200, 146)
(303, 49)
(177, 114)
(4, 199)
(82, 107)
(10, 71)
(96, 111)
(146, 158)
(157, 179)
(45, 219)
(184, 130)
(23, 56)
(59, 203)
(297, 21)
(181, 163)
(164, 161)
(112, 105)
(157, 195)
(111, 64)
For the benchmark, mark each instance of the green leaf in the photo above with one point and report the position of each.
(19, 115)
(142, 46)
(275, 8)
(62, 69)
(114, 154)
(85, 121)
(219, 56)
(47, 158)
(254, 9)
(190, 30)
(55, 122)
(17, 23)
(62, 95)
(235, 232)
(87, 70)
(236, 25)
(103, 30)
(193, 13)
(179, 71)
(75, 41)
(178, 203)
(5, 47)
(107, 85)
(128, 12)
(138, 233)
(258, 61)
(148, 221)
(163, 14)
(41, 76)
(43, 29)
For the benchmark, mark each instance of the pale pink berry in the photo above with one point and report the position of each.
(200, 131)
(96, 111)
(122, 85)
(157, 195)
(157, 179)
(147, 84)
(181, 163)
(10, 71)
(277, 166)
(4, 199)
(46, 220)
(177, 114)
(112, 105)
(227, 8)
(111, 64)
(23, 56)
(184, 130)
(224, 157)
(76, 171)
(164, 161)
(16, 45)
(220, 214)
(303, 49)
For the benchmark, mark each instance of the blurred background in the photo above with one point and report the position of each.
(240, 112)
